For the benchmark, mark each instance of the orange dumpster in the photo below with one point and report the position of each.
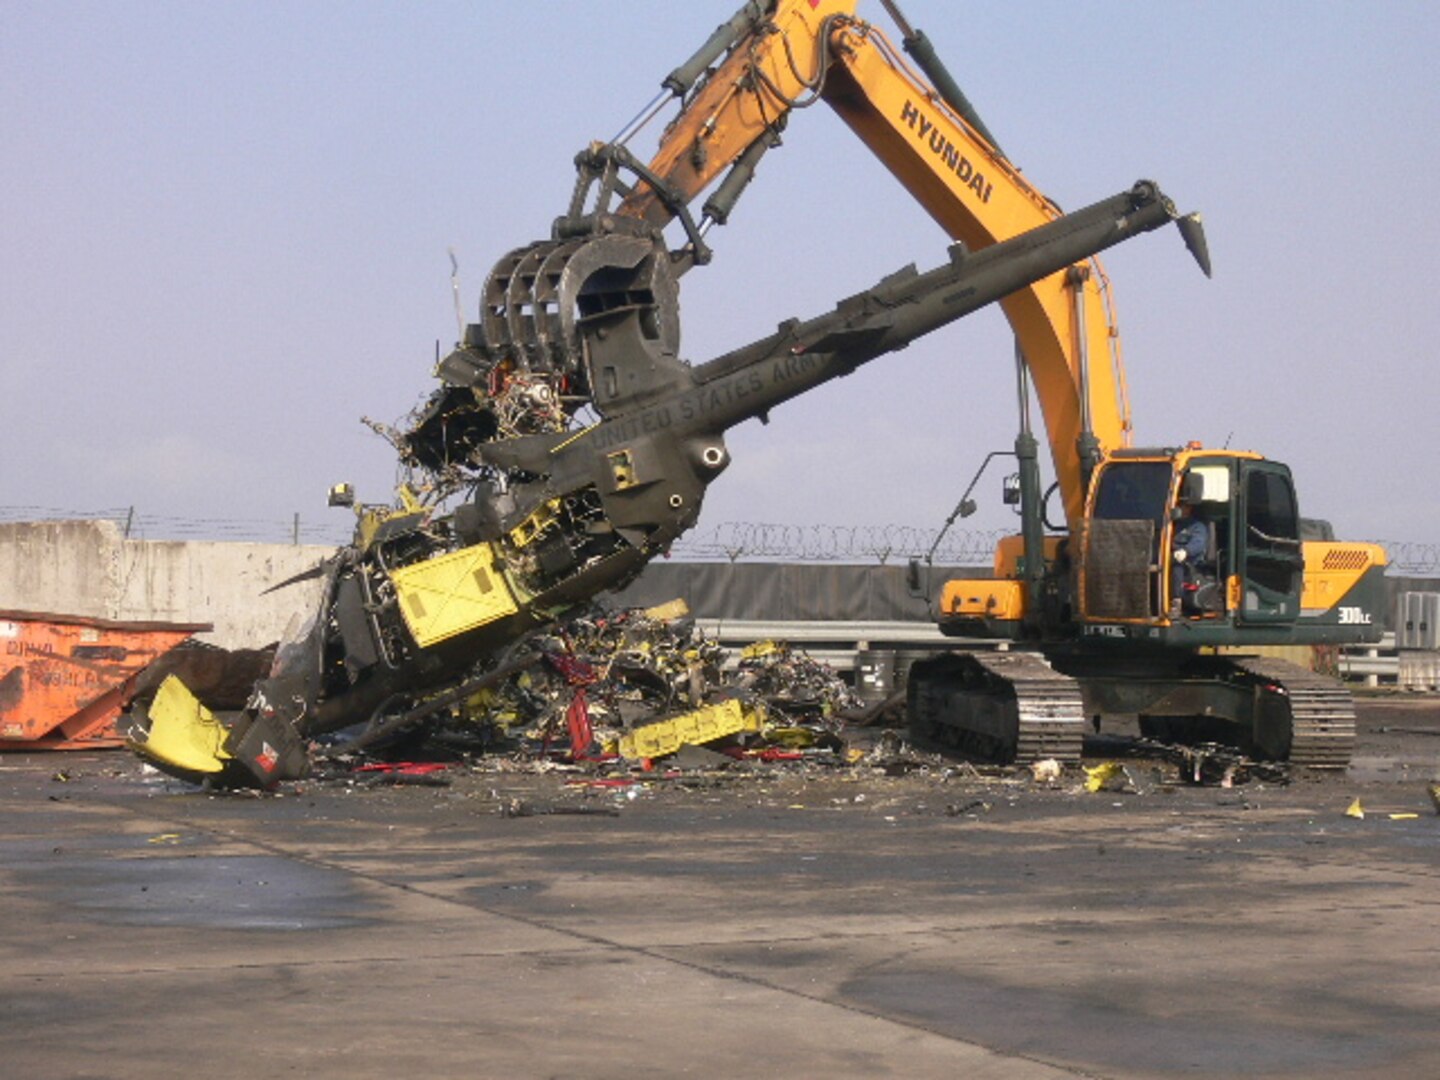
(65, 678)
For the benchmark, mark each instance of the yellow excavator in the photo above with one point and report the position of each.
(1168, 559)
(568, 443)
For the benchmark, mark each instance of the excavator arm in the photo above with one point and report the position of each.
(790, 54)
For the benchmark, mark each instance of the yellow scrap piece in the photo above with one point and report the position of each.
(790, 737)
(760, 648)
(528, 530)
(701, 726)
(183, 733)
(443, 597)
(669, 611)
(371, 519)
(482, 701)
(1403, 817)
(1355, 810)
(1097, 777)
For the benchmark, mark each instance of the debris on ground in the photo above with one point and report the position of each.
(1047, 771)
(1358, 811)
(954, 810)
(1107, 776)
(1223, 766)
(1206, 764)
(633, 699)
(793, 684)
(401, 773)
(518, 808)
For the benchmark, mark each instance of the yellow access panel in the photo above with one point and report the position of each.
(183, 732)
(452, 594)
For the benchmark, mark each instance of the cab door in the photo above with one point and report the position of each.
(1271, 565)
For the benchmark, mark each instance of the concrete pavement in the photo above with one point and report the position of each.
(774, 924)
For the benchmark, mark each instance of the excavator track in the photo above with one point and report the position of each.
(1321, 712)
(1007, 707)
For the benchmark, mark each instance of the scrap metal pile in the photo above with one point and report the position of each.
(603, 686)
(638, 685)
(614, 694)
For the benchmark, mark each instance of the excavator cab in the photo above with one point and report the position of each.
(1248, 574)
(1193, 539)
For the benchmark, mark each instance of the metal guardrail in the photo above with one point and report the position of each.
(858, 635)
(837, 643)
(1371, 664)
(831, 642)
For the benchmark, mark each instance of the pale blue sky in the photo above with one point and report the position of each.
(224, 229)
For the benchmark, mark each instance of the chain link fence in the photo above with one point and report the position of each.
(732, 541)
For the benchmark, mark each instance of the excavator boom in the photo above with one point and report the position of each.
(791, 54)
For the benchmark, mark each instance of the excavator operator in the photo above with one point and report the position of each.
(1190, 547)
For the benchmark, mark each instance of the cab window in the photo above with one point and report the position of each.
(1270, 506)
(1134, 491)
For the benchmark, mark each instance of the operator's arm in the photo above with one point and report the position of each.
(1190, 541)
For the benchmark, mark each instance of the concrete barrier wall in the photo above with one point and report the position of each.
(89, 568)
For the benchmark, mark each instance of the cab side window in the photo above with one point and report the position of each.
(1270, 509)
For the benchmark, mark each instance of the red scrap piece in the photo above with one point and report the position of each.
(577, 716)
(574, 670)
(769, 753)
(404, 768)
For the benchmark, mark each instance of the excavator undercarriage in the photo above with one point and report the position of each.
(1018, 707)
(1007, 707)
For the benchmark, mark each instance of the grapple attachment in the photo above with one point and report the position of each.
(564, 324)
